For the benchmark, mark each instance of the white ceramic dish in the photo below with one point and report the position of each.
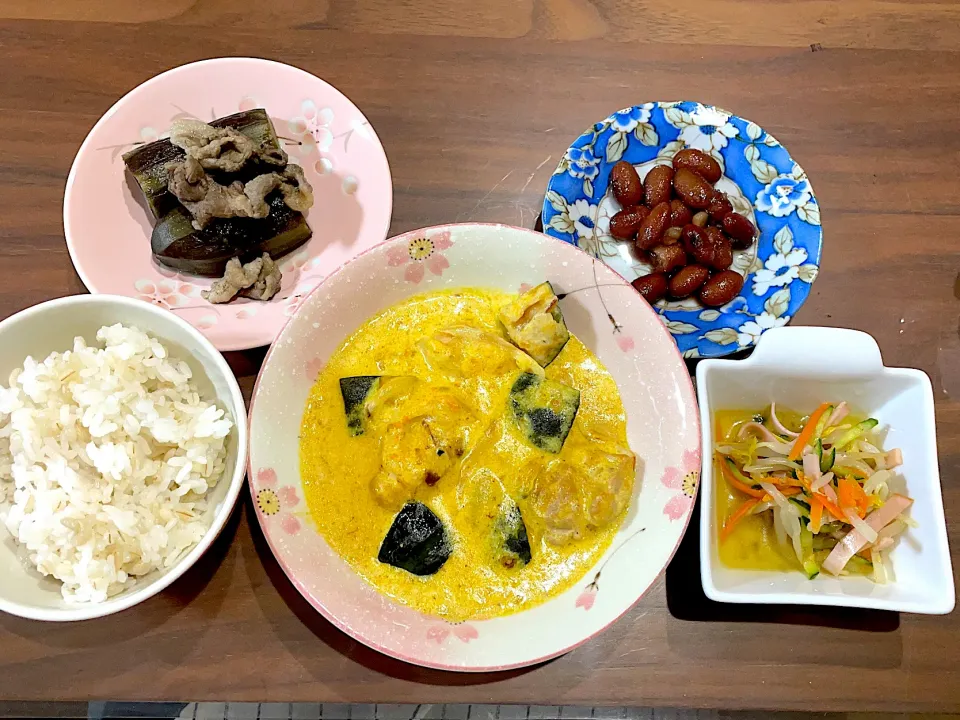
(51, 327)
(800, 367)
(601, 309)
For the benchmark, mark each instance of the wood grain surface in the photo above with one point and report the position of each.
(475, 101)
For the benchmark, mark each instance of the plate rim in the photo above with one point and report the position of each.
(116, 107)
(352, 632)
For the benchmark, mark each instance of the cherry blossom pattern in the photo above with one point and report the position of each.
(169, 294)
(277, 502)
(419, 253)
(464, 632)
(247, 103)
(311, 129)
(312, 368)
(683, 479)
(625, 342)
(588, 597)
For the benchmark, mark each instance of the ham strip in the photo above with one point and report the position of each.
(854, 541)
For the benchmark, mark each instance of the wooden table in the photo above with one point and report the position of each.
(475, 101)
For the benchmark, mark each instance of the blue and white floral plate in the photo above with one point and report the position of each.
(762, 182)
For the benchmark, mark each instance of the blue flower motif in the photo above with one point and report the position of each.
(583, 163)
(784, 195)
(627, 119)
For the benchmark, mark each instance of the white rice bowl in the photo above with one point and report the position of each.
(107, 456)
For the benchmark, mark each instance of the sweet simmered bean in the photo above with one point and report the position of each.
(626, 184)
(740, 229)
(657, 185)
(653, 227)
(692, 188)
(699, 162)
(720, 289)
(625, 224)
(667, 258)
(676, 216)
(688, 280)
(680, 214)
(718, 206)
(651, 287)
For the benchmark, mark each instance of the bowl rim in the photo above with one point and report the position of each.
(68, 235)
(88, 611)
(318, 605)
(932, 605)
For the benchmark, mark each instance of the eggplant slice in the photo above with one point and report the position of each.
(148, 163)
(177, 244)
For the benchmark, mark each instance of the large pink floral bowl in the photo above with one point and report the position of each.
(108, 229)
(607, 314)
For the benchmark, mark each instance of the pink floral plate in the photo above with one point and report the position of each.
(108, 228)
(607, 314)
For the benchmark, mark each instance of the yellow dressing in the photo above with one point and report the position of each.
(752, 545)
(339, 470)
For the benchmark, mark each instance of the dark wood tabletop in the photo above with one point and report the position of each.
(475, 102)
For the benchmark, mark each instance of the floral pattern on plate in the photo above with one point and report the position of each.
(762, 182)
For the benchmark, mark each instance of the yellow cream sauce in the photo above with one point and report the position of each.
(337, 469)
(753, 543)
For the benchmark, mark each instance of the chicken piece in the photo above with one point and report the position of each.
(426, 434)
(410, 457)
(467, 352)
(586, 491)
(258, 279)
(557, 501)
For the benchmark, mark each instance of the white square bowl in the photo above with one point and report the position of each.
(801, 367)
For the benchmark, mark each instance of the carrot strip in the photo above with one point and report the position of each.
(816, 514)
(807, 433)
(832, 509)
(851, 495)
(739, 515)
(736, 483)
(786, 492)
(785, 482)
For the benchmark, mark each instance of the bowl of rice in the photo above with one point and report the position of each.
(123, 442)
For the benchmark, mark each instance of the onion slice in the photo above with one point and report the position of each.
(811, 467)
(839, 413)
(864, 529)
(779, 425)
(822, 481)
(876, 480)
(757, 430)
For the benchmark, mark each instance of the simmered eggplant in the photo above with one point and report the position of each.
(534, 323)
(510, 536)
(177, 244)
(148, 163)
(416, 542)
(544, 409)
